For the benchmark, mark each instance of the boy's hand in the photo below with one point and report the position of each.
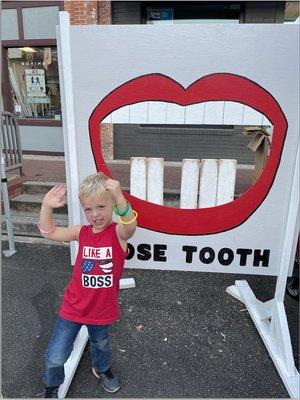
(54, 198)
(115, 189)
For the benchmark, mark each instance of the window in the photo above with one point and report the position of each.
(30, 68)
(191, 12)
(34, 83)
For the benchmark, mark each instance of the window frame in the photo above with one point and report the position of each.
(7, 98)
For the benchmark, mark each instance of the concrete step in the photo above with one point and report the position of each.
(33, 187)
(25, 223)
(32, 203)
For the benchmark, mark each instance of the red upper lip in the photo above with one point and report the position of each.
(215, 87)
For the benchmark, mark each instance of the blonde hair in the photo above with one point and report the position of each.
(91, 185)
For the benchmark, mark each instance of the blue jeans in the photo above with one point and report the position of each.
(61, 346)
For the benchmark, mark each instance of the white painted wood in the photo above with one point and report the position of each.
(276, 337)
(213, 112)
(264, 310)
(69, 130)
(121, 116)
(226, 181)
(233, 113)
(189, 183)
(252, 117)
(291, 234)
(208, 183)
(175, 114)
(127, 283)
(157, 112)
(155, 180)
(194, 114)
(138, 113)
(232, 290)
(73, 361)
(138, 177)
(279, 322)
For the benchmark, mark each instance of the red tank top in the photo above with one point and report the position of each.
(91, 297)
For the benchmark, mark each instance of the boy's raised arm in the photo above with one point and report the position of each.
(126, 229)
(55, 199)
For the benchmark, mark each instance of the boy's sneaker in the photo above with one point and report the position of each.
(51, 392)
(110, 382)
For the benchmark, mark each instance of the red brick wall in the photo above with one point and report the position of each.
(88, 12)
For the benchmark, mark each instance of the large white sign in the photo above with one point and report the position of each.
(110, 69)
(254, 65)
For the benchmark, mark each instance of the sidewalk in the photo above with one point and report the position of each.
(181, 335)
(52, 169)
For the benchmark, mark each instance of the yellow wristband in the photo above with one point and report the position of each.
(131, 221)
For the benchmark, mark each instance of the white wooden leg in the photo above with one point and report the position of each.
(79, 345)
(271, 323)
(73, 361)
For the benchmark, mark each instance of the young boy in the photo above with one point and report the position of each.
(91, 297)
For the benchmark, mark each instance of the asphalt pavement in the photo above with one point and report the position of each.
(180, 335)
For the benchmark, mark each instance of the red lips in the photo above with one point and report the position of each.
(215, 87)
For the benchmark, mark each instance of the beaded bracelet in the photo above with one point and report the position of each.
(46, 232)
(131, 221)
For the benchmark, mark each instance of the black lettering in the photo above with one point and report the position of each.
(144, 251)
(207, 259)
(93, 281)
(225, 256)
(244, 253)
(159, 252)
(100, 282)
(189, 250)
(131, 251)
(261, 257)
(85, 280)
(108, 280)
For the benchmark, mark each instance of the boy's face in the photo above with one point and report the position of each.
(98, 210)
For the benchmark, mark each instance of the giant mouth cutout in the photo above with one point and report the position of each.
(215, 87)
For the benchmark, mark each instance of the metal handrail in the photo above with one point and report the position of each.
(10, 142)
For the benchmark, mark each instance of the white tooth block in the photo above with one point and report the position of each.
(194, 114)
(155, 180)
(226, 181)
(138, 177)
(208, 183)
(252, 117)
(189, 183)
(213, 112)
(107, 120)
(120, 116)
(157, 112)
(233, 113)
(175, 114)
(138, 113)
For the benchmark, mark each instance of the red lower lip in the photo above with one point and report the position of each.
(216, 87)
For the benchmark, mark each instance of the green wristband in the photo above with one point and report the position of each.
(123, 211)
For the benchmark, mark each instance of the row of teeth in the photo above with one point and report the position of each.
(213, 112)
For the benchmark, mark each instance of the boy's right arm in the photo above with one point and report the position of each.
(54, 199)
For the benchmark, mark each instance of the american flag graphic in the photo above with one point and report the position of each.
(87, 266)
